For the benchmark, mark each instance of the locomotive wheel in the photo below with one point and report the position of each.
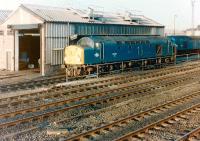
(145, 62)
(125, 66)
(89, 70)
(82, 72)
(173, 59)
(69, 72)
(167, 60)
(158, 61)
(79, 72)
(111, 67)
(129, 64)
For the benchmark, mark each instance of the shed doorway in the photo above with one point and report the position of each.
(29, 49)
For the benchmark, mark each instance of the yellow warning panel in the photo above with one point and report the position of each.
(74, 55)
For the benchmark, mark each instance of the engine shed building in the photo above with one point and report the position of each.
(36, 35)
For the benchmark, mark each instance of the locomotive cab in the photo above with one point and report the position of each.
(93, 51)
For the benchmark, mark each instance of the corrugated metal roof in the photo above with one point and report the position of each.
(3, 15)
(55, 14)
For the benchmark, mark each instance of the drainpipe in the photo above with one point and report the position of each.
(14, 50)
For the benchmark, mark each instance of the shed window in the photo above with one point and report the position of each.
(1, 32)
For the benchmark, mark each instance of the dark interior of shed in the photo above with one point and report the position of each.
(29, 49)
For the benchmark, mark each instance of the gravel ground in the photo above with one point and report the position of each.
(176, 130)
(127, 107)
(24, 76)
(114, 112)
(149, 120)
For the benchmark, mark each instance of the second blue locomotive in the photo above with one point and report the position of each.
(186, 44)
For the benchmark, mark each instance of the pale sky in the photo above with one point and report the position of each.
(162, 11)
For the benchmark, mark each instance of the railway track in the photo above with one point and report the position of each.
(67, 102)
(10, 76)
(14, 103)
(48, 82)
(81, 88)
(129, 87)
(161, 124)
(121, 123)
(104, 100)
(192, 135)
(101, 101)
(32, 84)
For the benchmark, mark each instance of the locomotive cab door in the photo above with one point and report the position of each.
(159, 49)
(100, 47)
(101, 52)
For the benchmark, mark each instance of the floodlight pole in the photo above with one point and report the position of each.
(175, 16)
(193, 6)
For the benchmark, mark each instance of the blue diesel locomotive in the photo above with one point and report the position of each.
(186, 44)
(107, 53)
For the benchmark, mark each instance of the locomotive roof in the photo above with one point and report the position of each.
(125, 38)
(90, 41)
(185, 37)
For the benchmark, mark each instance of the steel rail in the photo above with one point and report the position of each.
(57, 92)
(189, 135)
(39, 83)
(76, 99)
(136, 117)
(164, 72)
(161, 122)
(94, 102)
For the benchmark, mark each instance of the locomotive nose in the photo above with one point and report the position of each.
(74, 55)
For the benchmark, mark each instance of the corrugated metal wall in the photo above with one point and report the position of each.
(56, 40)
(57, 33)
